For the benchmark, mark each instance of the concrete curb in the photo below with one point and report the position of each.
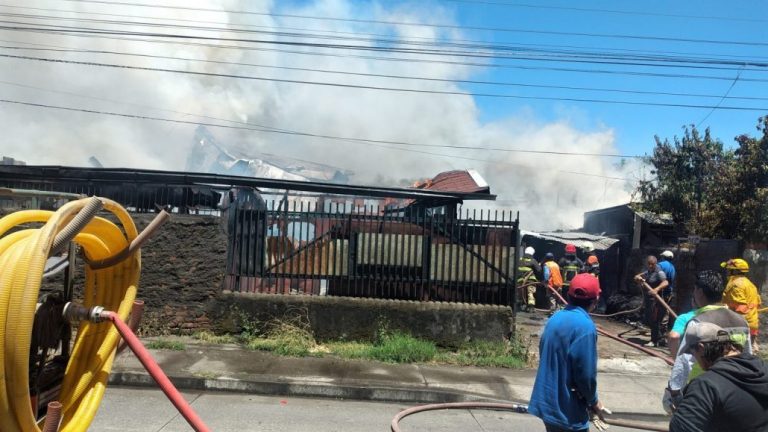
(315, 390)
(321, 390)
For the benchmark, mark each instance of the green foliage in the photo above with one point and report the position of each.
(712, 191)
(290, 335)
(211, 338)
(402, 348)
(164, 344)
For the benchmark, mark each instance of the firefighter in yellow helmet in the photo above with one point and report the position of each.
(741, 295)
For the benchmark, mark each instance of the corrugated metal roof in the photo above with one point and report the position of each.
(576, 238)
(656, 218)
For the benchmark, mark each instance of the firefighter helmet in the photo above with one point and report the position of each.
(736, 264)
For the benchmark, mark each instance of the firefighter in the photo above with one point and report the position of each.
(588, 249)
(570, 266)
(592, 266)
(529, 274)
(552, 277)
(741, 295)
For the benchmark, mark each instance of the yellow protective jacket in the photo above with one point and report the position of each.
(741, 296)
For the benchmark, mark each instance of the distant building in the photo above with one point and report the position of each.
(12, 161)
(635, 229)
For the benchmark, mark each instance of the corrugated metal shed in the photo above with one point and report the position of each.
(576, 238)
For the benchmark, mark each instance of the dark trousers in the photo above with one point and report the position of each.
(553, 428)
(655, 316)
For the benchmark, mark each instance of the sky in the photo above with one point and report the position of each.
(263, 75)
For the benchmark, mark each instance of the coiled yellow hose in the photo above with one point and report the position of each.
(22, 260)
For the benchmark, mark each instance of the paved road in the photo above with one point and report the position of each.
(134, 410)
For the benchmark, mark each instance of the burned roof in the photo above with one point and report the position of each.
(52, 174)
(577, 239)
(467, 181)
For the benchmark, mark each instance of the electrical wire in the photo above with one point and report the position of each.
(401, 39)
(388, 47)
(380, 88)
(489, 50)
(452, 156)
(142, 117)
(393, 59)
(609, 11)
(431, 25)
(54, 48)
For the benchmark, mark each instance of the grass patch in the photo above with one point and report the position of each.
(290, 337)
(402, 348)
(164, 344)
(211, 338)
(506, 354)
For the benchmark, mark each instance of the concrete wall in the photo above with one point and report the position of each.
(183, 268)
(340, 318)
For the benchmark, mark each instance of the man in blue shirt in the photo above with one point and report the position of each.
(565, 391)
(665, 263)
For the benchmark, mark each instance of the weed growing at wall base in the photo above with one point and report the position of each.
(164, 344)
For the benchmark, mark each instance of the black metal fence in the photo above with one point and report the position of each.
(326, 248)
(326, 245)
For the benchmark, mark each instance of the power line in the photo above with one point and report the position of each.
(446, 26)
(357, 34)
(559, 57)
(379, 88)
(375, 75)
(488, 50)
(331, 137)
(610, 11)
(378, 58)
(727, 92)
(277, 130)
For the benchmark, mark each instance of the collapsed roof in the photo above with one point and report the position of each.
(208, 156)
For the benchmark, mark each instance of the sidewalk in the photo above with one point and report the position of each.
(632, 388)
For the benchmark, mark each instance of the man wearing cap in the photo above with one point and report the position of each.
(732, 395)
(565, 392)
(665, 264)
(707, 297)
(741, 295)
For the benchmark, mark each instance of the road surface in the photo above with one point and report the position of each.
(147, 410)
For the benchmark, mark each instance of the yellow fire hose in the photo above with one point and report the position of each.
(22, 259)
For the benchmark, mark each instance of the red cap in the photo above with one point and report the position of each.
(592, 259)
(570, 249)
(584, 286)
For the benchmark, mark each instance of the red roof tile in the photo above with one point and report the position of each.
(456, 181)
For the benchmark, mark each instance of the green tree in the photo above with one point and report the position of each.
(712, 191)
(685, 171)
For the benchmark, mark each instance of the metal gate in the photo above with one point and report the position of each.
(323, 248)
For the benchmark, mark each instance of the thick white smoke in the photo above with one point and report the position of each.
(547, 195)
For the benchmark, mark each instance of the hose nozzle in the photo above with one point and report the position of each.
(74, 313)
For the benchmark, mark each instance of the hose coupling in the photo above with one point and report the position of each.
(74, 313)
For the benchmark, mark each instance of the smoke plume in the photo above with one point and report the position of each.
(543, 188)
